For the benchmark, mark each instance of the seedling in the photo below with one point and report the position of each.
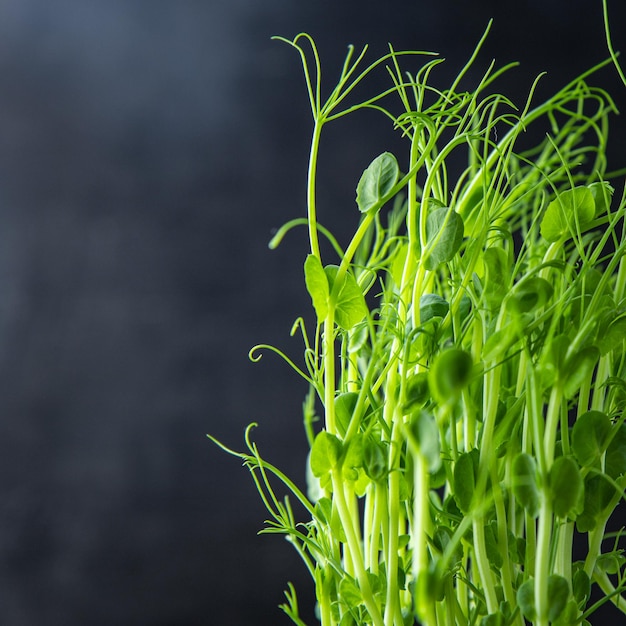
(467, 356)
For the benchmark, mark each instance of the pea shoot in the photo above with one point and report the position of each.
(467, 358)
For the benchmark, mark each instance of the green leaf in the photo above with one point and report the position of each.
(613, 335)
(497, 275)
(615, 459)
(376, 182)
(567, 487)
(465, 472)
(375, 460)
(450, 374)
(493, 619)
(441, 539)
(317, 285)
(432, 305)
(589, 436)
(416, 392)
(602, 193)
(349, 593)
(499, 342)
(598, 494)
(530, 294)
(526, 599)
(581, 587)
(577, 368)
(325, 453)
(344, 408)
(524, 483)
(350, 307)
(558, 595)
(425, 436)
(494, 553)
(324, 510)
(444, 236)
(353, 458)
(571, 207)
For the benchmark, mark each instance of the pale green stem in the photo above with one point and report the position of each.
(311, 200)
(604, 582)
(355, 549)
(542, 564)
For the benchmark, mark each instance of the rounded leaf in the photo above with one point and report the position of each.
(530, 294)
(558, 595)
(526, 599)
(524, 483)
(567, 487)
(589, 436)
(465, 472)
(450, 374)
(376, 182)
(432, 305)
(325, 453)
(444, 236)
(569, 211)
(416, 392)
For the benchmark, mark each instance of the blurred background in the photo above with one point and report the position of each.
(148, 148)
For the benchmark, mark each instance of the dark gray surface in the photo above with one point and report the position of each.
(147, 150)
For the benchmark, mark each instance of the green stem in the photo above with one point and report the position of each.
(311, 200)
(354, 548)
(542, 564)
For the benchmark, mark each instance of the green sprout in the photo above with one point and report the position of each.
(467, 356)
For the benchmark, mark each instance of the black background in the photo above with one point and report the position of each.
(147, 150)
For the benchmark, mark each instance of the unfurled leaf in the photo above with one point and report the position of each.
(494, 553)
(611, 336)
(416, 392)
(602, 193)
(589, 437)
(376, 182)
(450, 374)
(566, 485)
(558, 595)
(524, 483)
(493, 619)
(432, 305)
(374, 460)
(497, 275)
(344, 407)
(349, 593)
(615, 459)
(325, 453)
(317, 285)
(499, 342)
(465, 472)
(353, 458)
(530, 294)
(598, 494)
(577, 368)
(526, 599)
(569, 211)
(350, 307)
(444, 236)
(581, 587)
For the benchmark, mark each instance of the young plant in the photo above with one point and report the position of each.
(468, 357)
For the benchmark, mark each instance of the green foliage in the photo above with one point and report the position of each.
(377, 182)
(568, 213)
(466, 359)
(524, 483)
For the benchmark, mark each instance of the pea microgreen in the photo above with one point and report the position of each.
(467, 357)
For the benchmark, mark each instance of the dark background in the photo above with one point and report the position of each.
(147, 150)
